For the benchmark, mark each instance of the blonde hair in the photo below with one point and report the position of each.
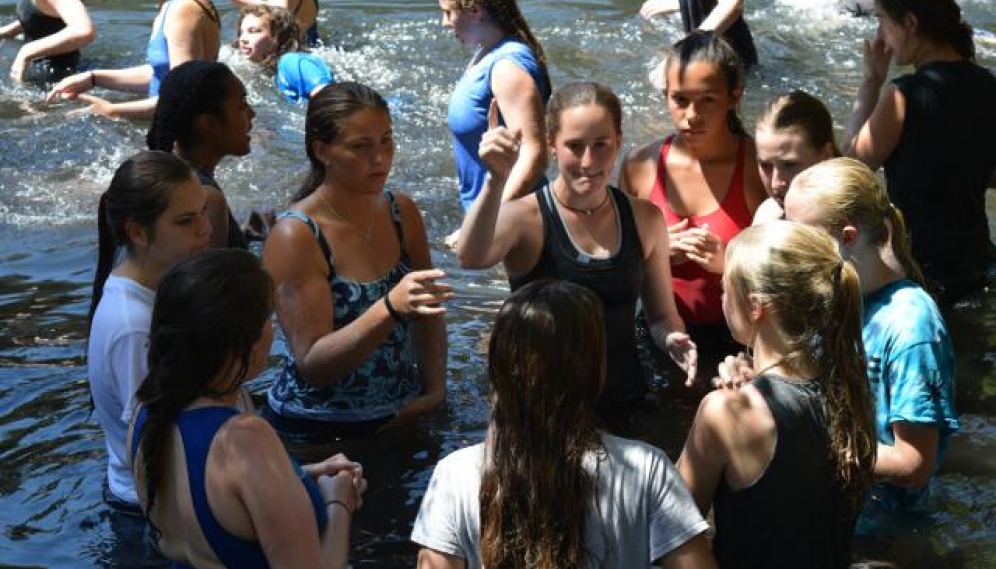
(844, 191)
(798, 111)
(509, 18)
(815, 302)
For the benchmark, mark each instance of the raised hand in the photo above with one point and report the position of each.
(499, 147)
(419, 294)
(684, 352)
(877, 58)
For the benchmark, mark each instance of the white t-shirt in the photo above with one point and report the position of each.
(644, 509)
(117, 363)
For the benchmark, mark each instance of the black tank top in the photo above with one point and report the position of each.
(795, 515)
(616, 280)
(694, 12)
(37, 25)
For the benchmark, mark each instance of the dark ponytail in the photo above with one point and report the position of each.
(139, 192)
(939, 21)
(189, 90)
(328, 112)
(208, 315)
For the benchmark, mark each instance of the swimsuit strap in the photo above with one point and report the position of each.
(319, 236)
(210, 10)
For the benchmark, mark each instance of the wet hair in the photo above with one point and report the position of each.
(189, 90)
(939, 21)
(328, 112)
(283, 28)
(708, 47)
(844, 191)
(578, 95)
(798, 111)
(546, 366)
(507, 15)
(139, 192)
(208, 314)
(815, 300)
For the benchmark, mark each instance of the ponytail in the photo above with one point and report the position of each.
(843, 365)
(900, 243)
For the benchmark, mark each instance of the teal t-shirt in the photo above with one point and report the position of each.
(911, 368)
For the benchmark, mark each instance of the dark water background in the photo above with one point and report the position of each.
(53, 168)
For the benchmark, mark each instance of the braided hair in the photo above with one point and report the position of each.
(189, 90)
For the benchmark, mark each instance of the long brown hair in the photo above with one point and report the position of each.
(816, 303)
(507, 15)
(282, 26)
(844, 191)
(546, 365)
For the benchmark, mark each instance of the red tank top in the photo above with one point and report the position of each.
(697, 292)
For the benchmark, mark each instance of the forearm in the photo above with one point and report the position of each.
(338, 353)
(10, 30)
(64, 41)
(660, 329)
(722, 16)
(526, 173)
(133, 79)
(868, 94)
(140, 109)
(478, 229)
(430, 352)
(335, 538)
(901, 465)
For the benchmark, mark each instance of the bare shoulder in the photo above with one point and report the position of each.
(648, 152)
(249, 435)
(639, 169)
(741, 415)
(290, 247)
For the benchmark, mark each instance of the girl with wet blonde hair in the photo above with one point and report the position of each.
(911, 359)
(786, 460)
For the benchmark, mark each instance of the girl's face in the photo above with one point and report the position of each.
(255, 40)
(897, 35)
(360, 157)
(585, 147)
(781, 155)
(235, 123)
(460, 20)
(699, 100)
(183, 228)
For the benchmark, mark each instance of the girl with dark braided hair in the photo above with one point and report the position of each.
(547, 489)
(215, 483)
(931, 130)
(202, 116)
(510, 67)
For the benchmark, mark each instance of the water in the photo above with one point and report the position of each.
(53, 167)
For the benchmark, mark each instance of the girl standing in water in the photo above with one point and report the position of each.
(547, 489)
(703, 177)
(581, 229)
(54, 31)
(785, 462)
(203, 115)
(932, 130)
(509, 66)
(357, 297)
(155, 210)
(215, 482)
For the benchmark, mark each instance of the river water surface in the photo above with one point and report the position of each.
(54, 166)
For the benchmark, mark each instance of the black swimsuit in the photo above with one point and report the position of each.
(37, 25)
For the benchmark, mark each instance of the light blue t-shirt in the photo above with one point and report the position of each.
(298, 74)
(911, 368)
(468, 111)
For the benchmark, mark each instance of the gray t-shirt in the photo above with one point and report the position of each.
(644, 510)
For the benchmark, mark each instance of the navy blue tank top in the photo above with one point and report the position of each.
(617, 280)
(795, 514)
(198, 428)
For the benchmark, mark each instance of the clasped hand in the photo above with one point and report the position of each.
(697, 244)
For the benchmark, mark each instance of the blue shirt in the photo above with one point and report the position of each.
(157, 53)
(468, 111)
(911, 368)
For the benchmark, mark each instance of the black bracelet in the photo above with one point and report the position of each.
(395, 315)
(93, 80)
(341, 503)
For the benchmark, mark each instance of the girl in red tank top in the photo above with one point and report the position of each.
(704, 177)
